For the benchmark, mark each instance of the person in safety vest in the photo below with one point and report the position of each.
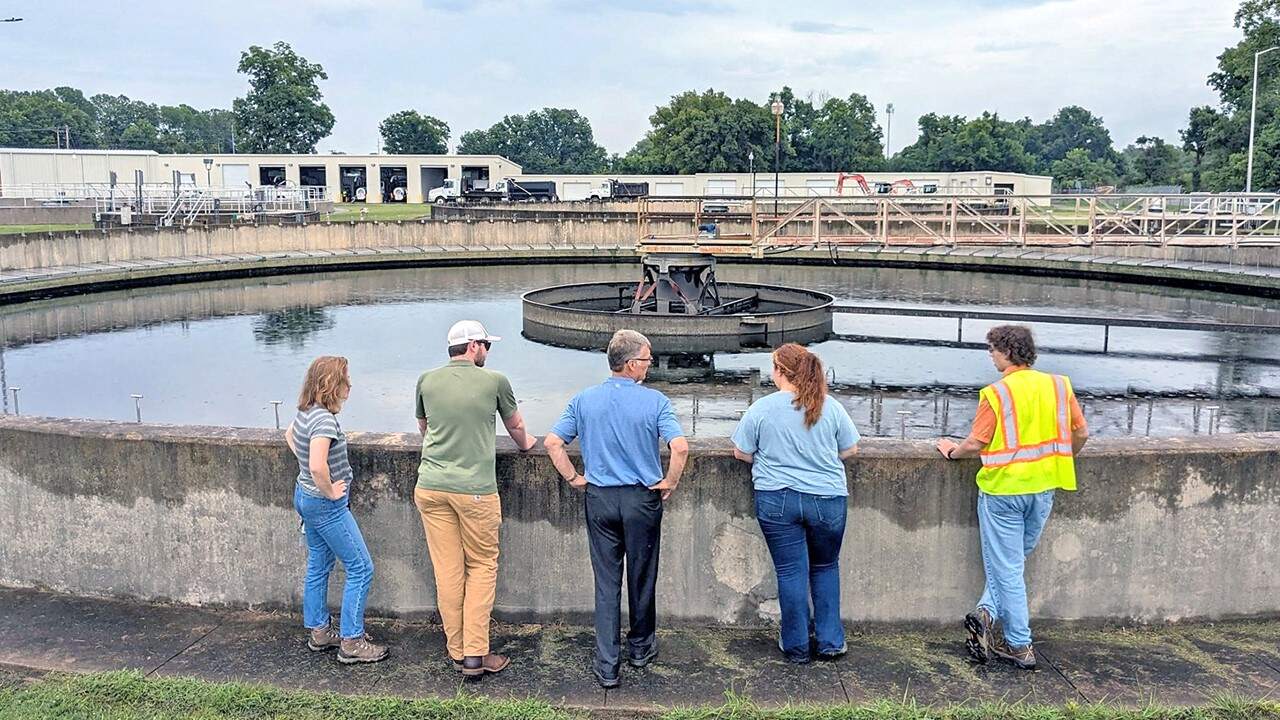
(1027, 431)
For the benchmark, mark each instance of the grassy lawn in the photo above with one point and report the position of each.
(384, 212)
(127, 696)
(16, 229)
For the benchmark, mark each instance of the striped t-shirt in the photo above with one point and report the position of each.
(319, 422)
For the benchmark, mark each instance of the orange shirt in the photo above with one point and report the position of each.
(984, 424)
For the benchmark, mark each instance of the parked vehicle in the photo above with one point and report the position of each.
(618, 190)
(462, 190)
(529, 190)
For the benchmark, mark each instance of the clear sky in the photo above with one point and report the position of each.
(1140, 64)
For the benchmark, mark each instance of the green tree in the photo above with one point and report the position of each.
(705, 132)
(949, 143)
(411, 133)
(1079, 170)
(115, 113)
(1197, 139)
(140, 135)
(283, 111)
(1070, 128)
(28, 118)
(846, 137)
(1222, 160)
(550, 140)
(1152, 161)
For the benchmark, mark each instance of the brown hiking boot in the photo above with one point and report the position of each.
(1023, 657)
(323, 638)
(980, 626)
(475, 666)
(360, 650)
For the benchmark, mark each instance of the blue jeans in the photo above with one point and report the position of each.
(804, 533)
(332, 532)
(1010, 527)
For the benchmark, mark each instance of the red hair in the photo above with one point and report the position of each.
(804, 370)
(325, 379)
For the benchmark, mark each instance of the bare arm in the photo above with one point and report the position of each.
(422, 426)
(748, 458)
(969, 447)
(1079, 437)
(675, 468)
(515, 427)
(560, 459)
(319, 466)
(848, 452)
(288, 437)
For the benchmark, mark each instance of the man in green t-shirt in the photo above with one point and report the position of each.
(457, 492)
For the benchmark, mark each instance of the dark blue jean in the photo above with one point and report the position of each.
(804, 533)
(332, 533)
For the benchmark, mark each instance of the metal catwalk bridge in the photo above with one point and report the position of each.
(759, 227)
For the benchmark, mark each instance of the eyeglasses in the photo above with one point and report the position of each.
(647, 360)
(485, 343)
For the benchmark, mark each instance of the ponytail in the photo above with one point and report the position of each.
(804, 370)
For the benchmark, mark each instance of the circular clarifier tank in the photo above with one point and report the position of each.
(586, 315)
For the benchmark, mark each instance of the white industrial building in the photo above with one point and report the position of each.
(408, 178)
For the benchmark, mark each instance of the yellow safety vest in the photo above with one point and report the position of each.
(1031, 450)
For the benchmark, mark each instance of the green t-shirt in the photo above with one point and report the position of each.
(458, 402)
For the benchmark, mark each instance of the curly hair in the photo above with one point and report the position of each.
(804, 370)
(1015, 342)
(324, 382)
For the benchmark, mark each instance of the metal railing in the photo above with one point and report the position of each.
(761, 226)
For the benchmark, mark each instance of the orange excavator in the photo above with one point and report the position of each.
(906, 186)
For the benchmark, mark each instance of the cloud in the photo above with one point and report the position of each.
(826, 28)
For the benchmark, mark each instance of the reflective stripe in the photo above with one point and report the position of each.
(1008, 420)
(1064, 412)
(1008, 457)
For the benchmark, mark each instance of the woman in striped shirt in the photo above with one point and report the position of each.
(320, 497)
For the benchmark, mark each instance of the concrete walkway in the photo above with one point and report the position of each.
(1184, 664)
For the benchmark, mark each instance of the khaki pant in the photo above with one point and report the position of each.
(462, 538)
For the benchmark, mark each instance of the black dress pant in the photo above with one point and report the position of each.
(623, 523)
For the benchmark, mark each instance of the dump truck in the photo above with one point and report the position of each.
(529, 190)
(459, 190)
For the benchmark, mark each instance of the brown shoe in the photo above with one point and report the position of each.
(475, 666)
(980, 627)
(360, 650)
(1023, 657)
(323, 638)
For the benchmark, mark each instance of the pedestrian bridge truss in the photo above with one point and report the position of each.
(762, 226)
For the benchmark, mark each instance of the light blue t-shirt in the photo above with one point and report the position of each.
(618, 423)
(789, 455)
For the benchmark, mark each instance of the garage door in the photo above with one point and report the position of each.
(235, 175)
(668, 189)
(722, 187)
(575, 191)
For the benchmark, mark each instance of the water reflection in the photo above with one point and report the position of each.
(218, 352)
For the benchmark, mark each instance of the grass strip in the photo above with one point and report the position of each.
(127, 695)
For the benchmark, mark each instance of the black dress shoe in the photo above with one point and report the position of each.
(608, 683)
(639, 661)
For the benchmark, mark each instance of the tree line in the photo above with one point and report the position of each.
(706, 131)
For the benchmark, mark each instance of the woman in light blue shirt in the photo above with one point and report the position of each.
(796, 441)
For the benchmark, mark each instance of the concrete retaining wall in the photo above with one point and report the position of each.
(43, 250)
(46, 215)
(1160, 530)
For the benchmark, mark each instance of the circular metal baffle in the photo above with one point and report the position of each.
(586, 315)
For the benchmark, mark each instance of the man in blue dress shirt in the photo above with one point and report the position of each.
(619, 424)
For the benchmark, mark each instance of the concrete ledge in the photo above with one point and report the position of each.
(1162, 529)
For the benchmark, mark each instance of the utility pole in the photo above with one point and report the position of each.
(1253, 112)
(888, 129)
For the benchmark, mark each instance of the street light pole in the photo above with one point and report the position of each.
(1253, 113)
(776, 107)
(751, 165)
(888, 130)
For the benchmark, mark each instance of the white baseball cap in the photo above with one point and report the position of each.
(464, 331)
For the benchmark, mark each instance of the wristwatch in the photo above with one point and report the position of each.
(571, 479)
